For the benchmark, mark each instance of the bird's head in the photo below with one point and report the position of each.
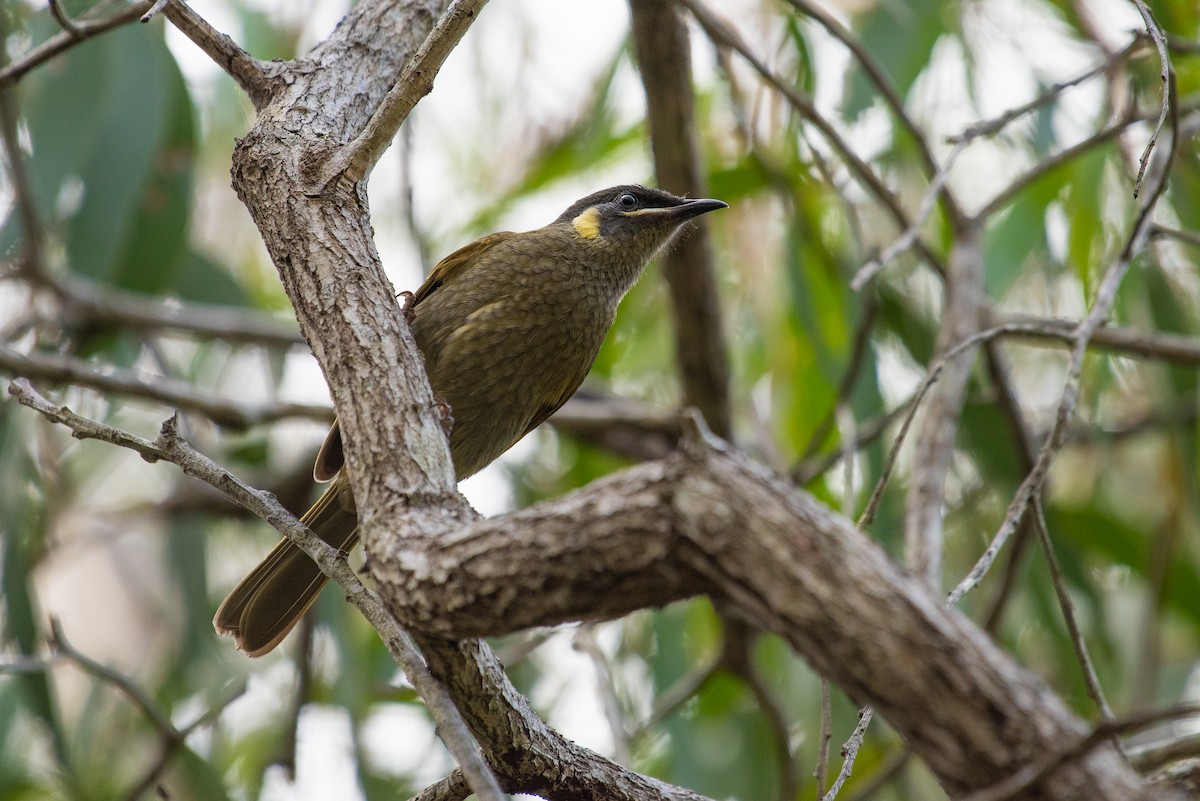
(632, 222)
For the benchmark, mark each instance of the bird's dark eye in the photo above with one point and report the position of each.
(627, 201)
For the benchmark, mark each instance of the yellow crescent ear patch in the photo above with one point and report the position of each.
(587, 224)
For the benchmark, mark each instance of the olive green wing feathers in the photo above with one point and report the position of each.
(331, 458)
(457, 263)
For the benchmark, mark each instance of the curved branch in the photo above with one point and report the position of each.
(256, 79)
(81, 29)
(710, 521)
(168, 391)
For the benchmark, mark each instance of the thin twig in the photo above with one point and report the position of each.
(169, 391)
(1025, 778)
(723, 35)
(170, 447)
(737, 659)
(909, 237)
(84, 28)
(1190, 237)
(255, 79)
(1160, 42)
(1047, 165)
(154, 11)
(677, 695)
(95, 303)
(821, 774)
(107, 675)
(585, 642)
(1147, 758)
(354, 161)
(850, 752)
(931, 377)
(1068, 609)
(171, 746)
(1162, 346)
(884, 774)
(1105, 297)
(172, 738)
(887, 90)
(865, 434)
(858, 358)
(63, 18)
(996, 124)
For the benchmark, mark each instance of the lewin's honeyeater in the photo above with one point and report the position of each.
(509, 326)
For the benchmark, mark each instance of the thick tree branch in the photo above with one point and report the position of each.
(355, 160)
(711, 521)
(396, 449)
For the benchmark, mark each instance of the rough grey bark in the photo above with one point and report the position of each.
(708, 520)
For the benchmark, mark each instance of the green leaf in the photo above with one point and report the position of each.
(1019, 235)
(202, 280)
(1101, 533)
(113, 136)
(901, 36)
(21, 535)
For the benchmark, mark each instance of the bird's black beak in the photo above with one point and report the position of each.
(699, 206)
(681, 213)
(694, 208)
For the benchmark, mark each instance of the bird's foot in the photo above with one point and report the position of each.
(444, 413)
(407, 299)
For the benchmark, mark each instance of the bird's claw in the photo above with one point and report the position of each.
(444, 413)
(407, 299)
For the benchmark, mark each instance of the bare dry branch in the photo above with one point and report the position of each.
(1091, 680)
(171, 447)
(938, 432)
(1160, 43)
(256, 79)
(997, 124)
(354, 161)
(83, 28)
(168, 391)
(88, 302)
(1105, 297)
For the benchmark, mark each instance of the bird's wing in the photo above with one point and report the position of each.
(331, 458)
(453, 265)
(557, 398)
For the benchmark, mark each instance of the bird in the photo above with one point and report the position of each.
(508, 326)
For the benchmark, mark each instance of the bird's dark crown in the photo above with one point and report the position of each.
(647, 198)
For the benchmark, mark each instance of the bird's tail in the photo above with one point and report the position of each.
(271, 599)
